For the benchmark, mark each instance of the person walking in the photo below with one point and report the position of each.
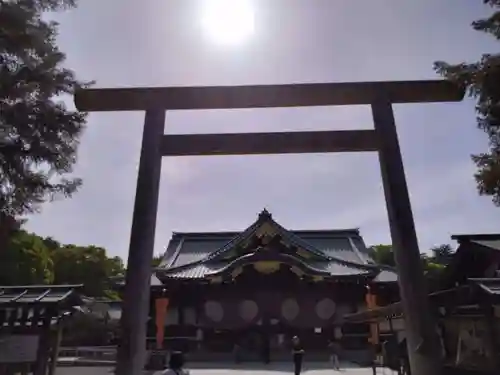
(298, 354)
(334, 349)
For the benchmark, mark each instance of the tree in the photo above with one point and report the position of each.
(442, 254)
(432, 268)
(30, 259)
(383, 254)
(434, 263)
(482, 82)
(8, 224)
(88, 266)
(26, 261)
(156, 260)
(38, 134)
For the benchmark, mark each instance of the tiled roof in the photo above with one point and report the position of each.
(346, 245)
(201, 270)
(338, 252)
(196, 271)
(488, 240)
(339, 269)
(462, 296)
(340, 245)
(119, 281)
(472, 259)
(386, 276)
(39, 294)
(190, 248)
(111, 309)
(285, 234)
(493, 244)
(489, 286)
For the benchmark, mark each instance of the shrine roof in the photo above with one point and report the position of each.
(186, 248)
(491, 241)
(475, 255)
(201, 270)
(36, 294)
(119, 281)
(336, 252)
(386, 275)
(111, 309)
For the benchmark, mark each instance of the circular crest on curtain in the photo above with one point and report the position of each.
(290, 309)
(248, 310)
(214, 311)
(325, 308)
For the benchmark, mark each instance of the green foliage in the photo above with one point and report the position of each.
(481, 80)
(38, 134)
(383, 254)
(157, 260)
(26, 261)
(30, 259)
(433, 264)
(88, 265)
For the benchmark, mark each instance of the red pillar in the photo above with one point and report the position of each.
(161, 305)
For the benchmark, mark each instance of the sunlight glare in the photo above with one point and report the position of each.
(228, 21)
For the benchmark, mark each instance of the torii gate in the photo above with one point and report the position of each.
(420, 328)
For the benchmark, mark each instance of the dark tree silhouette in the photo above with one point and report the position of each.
(482, 81)
(38, 134)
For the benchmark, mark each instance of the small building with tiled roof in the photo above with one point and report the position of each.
(465, 306)
(259, 287)
(31, 323)
(477, 256)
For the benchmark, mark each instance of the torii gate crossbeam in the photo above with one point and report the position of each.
(420, 328)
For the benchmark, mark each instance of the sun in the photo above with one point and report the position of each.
(228, 22)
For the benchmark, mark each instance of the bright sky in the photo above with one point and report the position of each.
(161, 43)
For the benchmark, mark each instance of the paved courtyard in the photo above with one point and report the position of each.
(213, 369)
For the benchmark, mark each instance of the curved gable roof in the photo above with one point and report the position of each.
(263, 219)
(333, 252)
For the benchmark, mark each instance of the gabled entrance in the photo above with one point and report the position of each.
(267, 247)
(267, 233)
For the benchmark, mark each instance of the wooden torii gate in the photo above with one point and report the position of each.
(421, 334)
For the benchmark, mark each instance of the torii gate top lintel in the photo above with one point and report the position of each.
(265, 96)
(422, 338)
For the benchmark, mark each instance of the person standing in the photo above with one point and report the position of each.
(334, 349)
(237, 352)
(405, 359)
(298, 354)
(266, 349)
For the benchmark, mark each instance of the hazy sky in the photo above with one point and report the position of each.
(161, 43)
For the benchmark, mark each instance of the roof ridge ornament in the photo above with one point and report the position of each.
(265, 215)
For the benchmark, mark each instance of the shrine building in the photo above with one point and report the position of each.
(257, 288)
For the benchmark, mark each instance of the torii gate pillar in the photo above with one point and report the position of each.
(421, 333)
